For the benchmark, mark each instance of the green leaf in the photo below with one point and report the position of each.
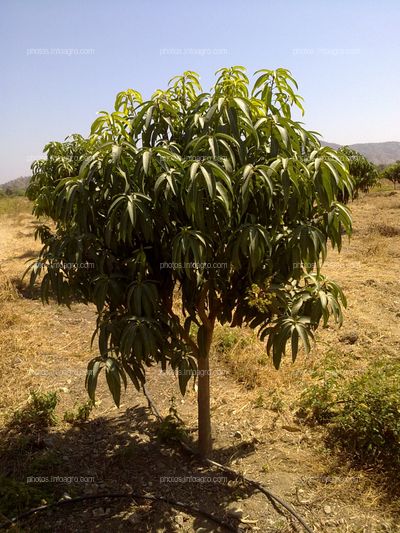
(146, 161)
(113, 377)
(93, 370)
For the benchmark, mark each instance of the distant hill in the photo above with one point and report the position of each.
(17, 186)
(379, 153)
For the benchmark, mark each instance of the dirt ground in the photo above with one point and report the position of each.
(254, 425)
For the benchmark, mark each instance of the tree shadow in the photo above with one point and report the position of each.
(25, 289)
(114, 455)
(29, 254)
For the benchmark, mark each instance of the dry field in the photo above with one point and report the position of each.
(46, 348)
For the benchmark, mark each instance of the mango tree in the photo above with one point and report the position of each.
(392, 173)
(193, 208)
(363, 173)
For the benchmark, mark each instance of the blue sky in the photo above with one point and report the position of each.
(344, 55)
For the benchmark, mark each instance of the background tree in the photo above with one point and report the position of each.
(392, 173)
(363, 173)
(194, 208)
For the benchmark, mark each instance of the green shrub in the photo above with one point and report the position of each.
(172, 428)
(362, 415)
(318, 403)
(44, 463)
(227, 341)
(16, 496)
(80, 415)
(38, 413)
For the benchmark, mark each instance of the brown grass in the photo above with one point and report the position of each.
(385, 230)
(47, 348)
(8, 292)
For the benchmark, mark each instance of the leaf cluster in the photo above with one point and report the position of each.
(201, 196)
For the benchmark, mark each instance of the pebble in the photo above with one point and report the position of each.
(179, 519)
(100, 511)
(133, 518)
(235, 512)
(327, 509)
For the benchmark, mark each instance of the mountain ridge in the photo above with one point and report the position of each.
(379, 153)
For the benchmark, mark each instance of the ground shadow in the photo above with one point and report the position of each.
(119, 454)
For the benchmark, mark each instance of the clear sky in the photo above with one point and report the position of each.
(62, 61)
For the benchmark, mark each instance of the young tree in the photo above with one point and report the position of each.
(363, 172)
(193, 208)
(392, 173)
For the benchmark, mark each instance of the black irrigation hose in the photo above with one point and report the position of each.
(265, 491)
(272, 497)
(174, 503)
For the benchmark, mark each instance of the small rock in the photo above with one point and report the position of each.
(133, 518)
(179, 519)
(238, 435)
(327, 509)
(97, 512)
(235, 512)
(291, 428)
(349, 338)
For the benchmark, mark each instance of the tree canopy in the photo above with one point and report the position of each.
(392, 173)
(364, 173)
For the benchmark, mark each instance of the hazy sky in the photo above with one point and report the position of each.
(62, 61)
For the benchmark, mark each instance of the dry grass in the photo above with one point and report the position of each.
(32, 342)
(385, 230)
(8, 292)
(47, 348)
(14, 205)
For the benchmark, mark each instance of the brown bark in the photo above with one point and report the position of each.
(203, 396)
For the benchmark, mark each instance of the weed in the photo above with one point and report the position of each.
(16, 496)
(80, 415)
(172, 427)
(259, 402)
(127, 452)
(276, 403)
(362, 415)
(44, 463)
(227, 341)
(37, 414)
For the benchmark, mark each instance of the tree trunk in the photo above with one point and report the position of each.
(203, 397)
